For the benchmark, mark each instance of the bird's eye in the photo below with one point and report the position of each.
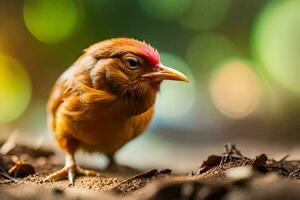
(132, 62)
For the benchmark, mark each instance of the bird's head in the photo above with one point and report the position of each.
(131, 68)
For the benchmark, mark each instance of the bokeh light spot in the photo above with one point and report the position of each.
(15, 89)
(276, 42)
(207, 50)
(166, 9)
(50, 21)
(205, 14)
(235, 89)
(176, 99)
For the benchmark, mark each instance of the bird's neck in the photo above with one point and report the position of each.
(131, 98)
(132, 105)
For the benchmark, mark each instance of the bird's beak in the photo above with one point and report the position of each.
(165, 73)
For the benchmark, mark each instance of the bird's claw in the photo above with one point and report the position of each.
(70, 172)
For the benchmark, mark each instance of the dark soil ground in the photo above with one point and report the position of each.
(229, 176)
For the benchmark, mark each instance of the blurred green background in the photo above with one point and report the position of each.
(242, 56)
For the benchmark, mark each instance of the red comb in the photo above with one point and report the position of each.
(150, 54)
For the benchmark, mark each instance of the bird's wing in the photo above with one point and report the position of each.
(74, 93)
(55, 99)
(61, 88)
(58, 94)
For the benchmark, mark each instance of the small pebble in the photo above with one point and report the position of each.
(57, 191)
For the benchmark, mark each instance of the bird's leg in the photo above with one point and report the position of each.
(70, 166)
(112, 164)
(70, 170)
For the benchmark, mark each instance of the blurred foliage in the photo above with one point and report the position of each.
(50, 21)
(205, 14)
(15, 89)
(276, 42)
(165, 10)
(235, 88)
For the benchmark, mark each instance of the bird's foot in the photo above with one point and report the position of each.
(71, 172)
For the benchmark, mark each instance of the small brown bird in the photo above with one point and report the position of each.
(105, 99)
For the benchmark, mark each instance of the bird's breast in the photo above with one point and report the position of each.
(107, 133)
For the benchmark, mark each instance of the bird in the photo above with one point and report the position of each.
(104, 100)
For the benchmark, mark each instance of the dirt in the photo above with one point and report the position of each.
(228, 176)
